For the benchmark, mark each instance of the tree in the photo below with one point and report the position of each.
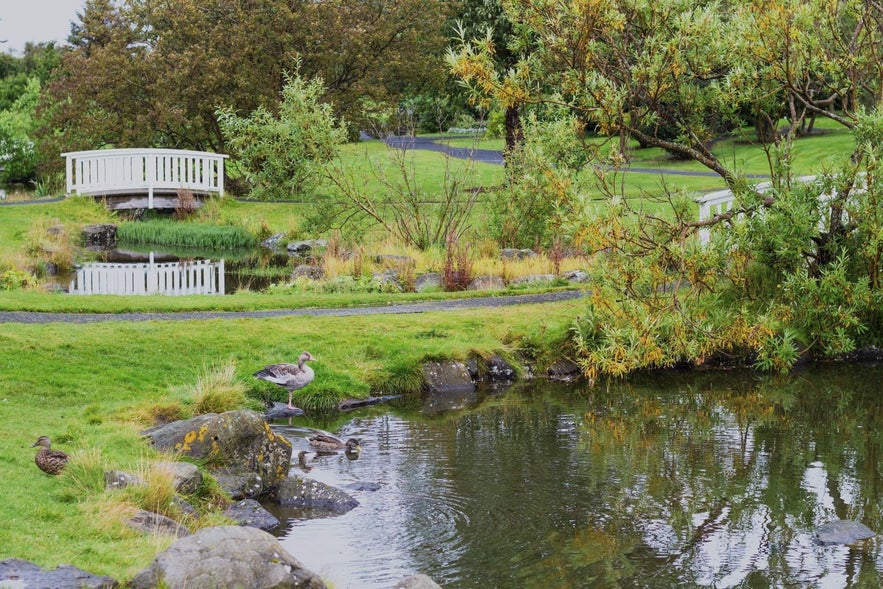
(667, 74)
(154, 73)
(283, 155)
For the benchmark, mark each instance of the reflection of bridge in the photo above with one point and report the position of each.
(144, 178)
(168, 278)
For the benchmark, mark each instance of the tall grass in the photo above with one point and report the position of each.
(196, 235)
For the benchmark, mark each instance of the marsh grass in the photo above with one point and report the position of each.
(183, 234)
(217, 389)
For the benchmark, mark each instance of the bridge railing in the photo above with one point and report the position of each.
(721, 201)
(120, 171)
(168, 278)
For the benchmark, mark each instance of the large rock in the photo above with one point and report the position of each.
(239, 482)
(533, 279)
(227, 556)
(21, 573)
(298, 491)
(234, 440)
(517, 254)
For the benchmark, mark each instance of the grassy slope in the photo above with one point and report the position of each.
(91, 386)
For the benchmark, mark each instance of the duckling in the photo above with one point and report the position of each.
(302, 461)
(48, 460)
(326, 443)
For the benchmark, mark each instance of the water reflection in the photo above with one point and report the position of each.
(684, 480)
(153, 276)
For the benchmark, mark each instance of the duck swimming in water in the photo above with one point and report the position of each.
(48, 460)
(326, 443)
(290, 376)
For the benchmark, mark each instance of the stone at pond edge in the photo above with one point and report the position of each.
(186, 478)
(533, 279)
(21, 573)
(104, 236)
(276, 410)
(842, 531)
(447, 377)
(234, 439)
(296, 491)
(309, 272)
(249, 512)
(305, 248)
(226, 556)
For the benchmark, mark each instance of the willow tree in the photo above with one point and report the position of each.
(672, 74)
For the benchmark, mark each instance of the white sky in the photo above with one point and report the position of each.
(37, 21)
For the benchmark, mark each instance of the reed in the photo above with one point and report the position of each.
(196, 235)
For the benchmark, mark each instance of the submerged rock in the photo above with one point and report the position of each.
(842, 531)
(298, 491)
(416, 582)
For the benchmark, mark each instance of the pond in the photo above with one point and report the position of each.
(694, 479)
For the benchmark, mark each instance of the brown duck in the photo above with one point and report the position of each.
(290, 376)
(326, 443)
(49, 460)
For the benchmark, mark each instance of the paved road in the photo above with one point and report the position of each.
(491, 156)
(425, 307)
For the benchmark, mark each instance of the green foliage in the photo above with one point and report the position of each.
(195, 235)
(13, 279)
(282, 155)
(540, 185)
(418, 210)
(18, 158)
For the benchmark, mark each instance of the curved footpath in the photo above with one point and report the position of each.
(425, 307)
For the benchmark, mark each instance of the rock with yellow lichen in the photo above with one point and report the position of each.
(238, 440)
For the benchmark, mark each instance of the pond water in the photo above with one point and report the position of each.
(699, 479)
(130, 271)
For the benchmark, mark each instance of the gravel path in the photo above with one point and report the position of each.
(450, 305)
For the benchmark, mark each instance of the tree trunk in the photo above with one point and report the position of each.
(513, 128)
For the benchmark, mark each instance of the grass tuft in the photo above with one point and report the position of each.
(83, 477)
(216, 390)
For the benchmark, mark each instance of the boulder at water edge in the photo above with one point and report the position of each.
(416, 582)
(227, 556)
(238, 440)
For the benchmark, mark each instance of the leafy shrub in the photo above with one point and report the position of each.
(282, 155)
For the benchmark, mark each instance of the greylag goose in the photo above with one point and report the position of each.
(48, 460)
(326, 443)
(290, 376)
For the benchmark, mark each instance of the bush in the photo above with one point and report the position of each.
(282, 155)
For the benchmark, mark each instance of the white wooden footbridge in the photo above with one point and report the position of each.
(144, 178)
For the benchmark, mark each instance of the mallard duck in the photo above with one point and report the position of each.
(49, 460)
(290, 376)
(326, 443)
